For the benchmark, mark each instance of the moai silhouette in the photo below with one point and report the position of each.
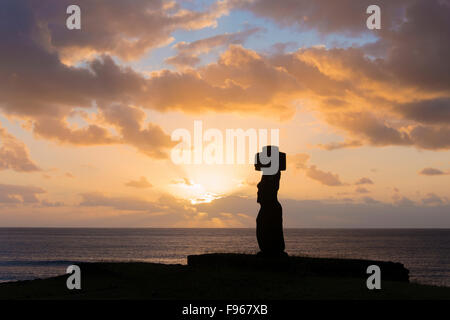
(269, 223)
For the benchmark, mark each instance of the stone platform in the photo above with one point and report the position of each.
(308, 266)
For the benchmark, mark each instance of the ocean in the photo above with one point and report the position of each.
(30, 253)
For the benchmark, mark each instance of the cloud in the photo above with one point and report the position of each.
(370, 201)
(14, 154)
(401, 98)
(150, 139)
(363, 180)
(431, 137)
(433, 111)
(383, 98)
(326, 16)
(51, 204)
(45, 91)
(188, 53)
(17, 194)
(432, 172)
(325, 178)
(365, 212)
(402, 201)
(361, 190)
(173, 211)
(184, 181)
(370, 128)
(59, 130)
(340, 145)
(432, 199)
(126, 28)
(142, 183)
(49, 104)
(233, 210)
(241, 81)
(300, 161)
(69, 175)
(97, 199)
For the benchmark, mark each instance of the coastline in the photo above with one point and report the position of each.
(231, 276)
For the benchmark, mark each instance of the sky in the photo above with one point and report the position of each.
(86, 116)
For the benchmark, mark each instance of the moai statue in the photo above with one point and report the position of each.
(269, 223)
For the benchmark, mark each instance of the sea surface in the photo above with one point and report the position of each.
(30, 253)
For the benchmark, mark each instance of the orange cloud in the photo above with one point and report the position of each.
(326, 178)
(14, 154)
(142, 183)
(377, 97)
(187, 53)
(127, 28)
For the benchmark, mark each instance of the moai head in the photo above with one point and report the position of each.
(270, 161)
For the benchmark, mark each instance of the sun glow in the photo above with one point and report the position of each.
(195, 192)
(207, 183)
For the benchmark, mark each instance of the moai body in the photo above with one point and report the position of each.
(269, 223)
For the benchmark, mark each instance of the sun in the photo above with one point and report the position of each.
(197, 193)
(207, 183)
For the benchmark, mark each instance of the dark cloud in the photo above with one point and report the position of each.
(364, 180)
(324, 15)
(434, 111)
(370, 201)
(366, 212)
(17, 194)
(411, 57)
(124, 28)
(367, 126)
(403, 201)
(361, 190)
(432, 172)
(433, 200)
(36, 85)
(431, 137)
(417, 48)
